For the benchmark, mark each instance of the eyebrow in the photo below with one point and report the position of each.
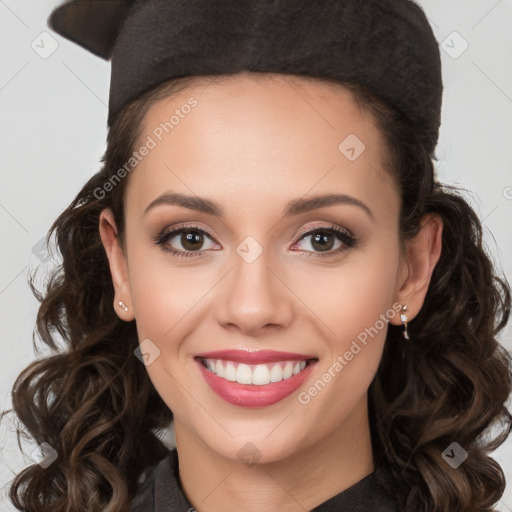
(293, 207)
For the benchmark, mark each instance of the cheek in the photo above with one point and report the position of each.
(355, 304)
(163, 288)
(351, 297)
(167, 302)
(164, 297)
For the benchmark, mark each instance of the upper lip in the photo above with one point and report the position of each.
(254, 357)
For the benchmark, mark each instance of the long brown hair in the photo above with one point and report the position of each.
(94, 404)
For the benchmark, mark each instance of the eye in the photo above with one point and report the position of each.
(324, 240)
(191, 238)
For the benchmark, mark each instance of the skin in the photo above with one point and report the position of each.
(252, 145)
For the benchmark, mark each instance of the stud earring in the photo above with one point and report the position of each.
(122, 305)
(403, 318)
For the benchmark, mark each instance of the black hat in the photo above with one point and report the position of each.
(385, 45)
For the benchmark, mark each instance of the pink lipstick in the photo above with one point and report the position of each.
(254, 378)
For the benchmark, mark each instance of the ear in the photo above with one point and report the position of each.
(421, 256)
(118, 265)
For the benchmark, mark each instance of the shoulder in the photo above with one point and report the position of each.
(159, 489)
(144, 499)
(391, 487)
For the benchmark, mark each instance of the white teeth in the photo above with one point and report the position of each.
(288, 370)
(230, 371)
(276, 374)
(243, 374)
(219, 369)
(259, 374)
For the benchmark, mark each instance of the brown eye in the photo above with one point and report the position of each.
(329, 240)
(323, 241)
(187, 241)
(191, 240)
(183, 241)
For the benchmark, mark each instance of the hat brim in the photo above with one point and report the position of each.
(93, 24)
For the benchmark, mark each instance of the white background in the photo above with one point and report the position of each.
(53, 131)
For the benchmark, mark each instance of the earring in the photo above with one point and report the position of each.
(122, 305)
(403, 318)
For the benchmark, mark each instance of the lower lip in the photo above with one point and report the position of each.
(252, 395)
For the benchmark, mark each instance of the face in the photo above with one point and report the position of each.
(258, 268)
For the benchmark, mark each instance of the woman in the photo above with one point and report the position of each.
(267, 261)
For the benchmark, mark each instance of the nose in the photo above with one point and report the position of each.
(255, 297)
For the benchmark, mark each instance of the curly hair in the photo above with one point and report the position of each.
(94, 403)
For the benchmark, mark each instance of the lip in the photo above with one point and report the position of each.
(254, 357)
(251, 395)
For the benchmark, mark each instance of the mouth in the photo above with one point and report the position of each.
(255, 374)
(254, 378)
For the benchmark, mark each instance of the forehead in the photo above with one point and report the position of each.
(267, 134)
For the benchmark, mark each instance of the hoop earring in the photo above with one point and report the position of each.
(403, 318)
(123, 306)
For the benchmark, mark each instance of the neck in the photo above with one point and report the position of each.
(295, 483)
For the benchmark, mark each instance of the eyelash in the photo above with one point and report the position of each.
(343, 235)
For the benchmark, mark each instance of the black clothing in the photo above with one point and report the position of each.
(161, 492)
